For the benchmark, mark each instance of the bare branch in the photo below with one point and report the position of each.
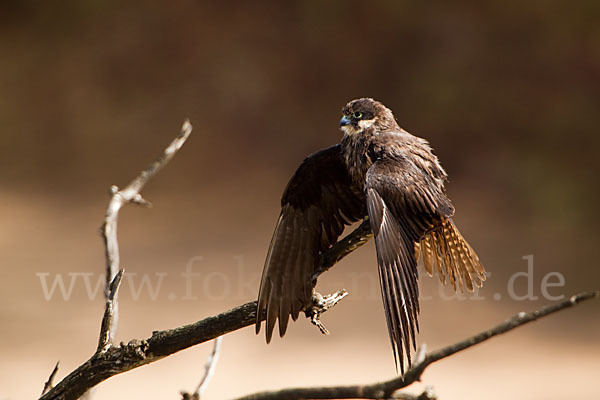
(209, 369)
(385, 390)
(50, 382)
(320, 304)
(427, 394)
(343, 247)
(421, 353)
(102, 366)
(118, 359)
(109, 313)
(131, 194)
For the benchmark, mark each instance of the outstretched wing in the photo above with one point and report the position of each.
(404, 202)
(317, 203)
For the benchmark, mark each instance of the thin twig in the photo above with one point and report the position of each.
(130, 194)
(384, 390)
(105, 338)
(50, 382)
(209, 369)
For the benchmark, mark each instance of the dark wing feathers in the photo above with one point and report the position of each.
(316, 204)
(404, 203)
(410, 216)
(398, 292)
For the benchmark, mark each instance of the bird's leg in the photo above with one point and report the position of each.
(320, 304)
(343, 247)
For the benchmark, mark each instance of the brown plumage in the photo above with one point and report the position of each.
(381, 171)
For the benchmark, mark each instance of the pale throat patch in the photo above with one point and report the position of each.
(366, 123)
(362, 125)
(349, 130)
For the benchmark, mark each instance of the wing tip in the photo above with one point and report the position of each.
(269, 336)
(283, 325)
(257, 325)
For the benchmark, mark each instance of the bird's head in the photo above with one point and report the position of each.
(361, 115)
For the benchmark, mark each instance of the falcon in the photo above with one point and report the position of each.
(382, 172)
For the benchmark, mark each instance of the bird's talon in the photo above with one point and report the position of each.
(316, 321)
(320, 304)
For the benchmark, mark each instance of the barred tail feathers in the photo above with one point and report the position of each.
(446, 250)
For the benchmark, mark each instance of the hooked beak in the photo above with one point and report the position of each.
(345, 121)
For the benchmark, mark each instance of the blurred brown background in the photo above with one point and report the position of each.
(91, 91)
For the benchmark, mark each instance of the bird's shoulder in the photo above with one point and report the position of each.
(403, 153)
(406, 168)
(323, 172)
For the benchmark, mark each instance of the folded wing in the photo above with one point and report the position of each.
(404, 203)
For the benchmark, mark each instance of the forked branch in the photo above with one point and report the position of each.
(114, 273)
(118, 359)
(109, 359)
(119, 198)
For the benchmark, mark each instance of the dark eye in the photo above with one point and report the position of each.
(357, 115)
